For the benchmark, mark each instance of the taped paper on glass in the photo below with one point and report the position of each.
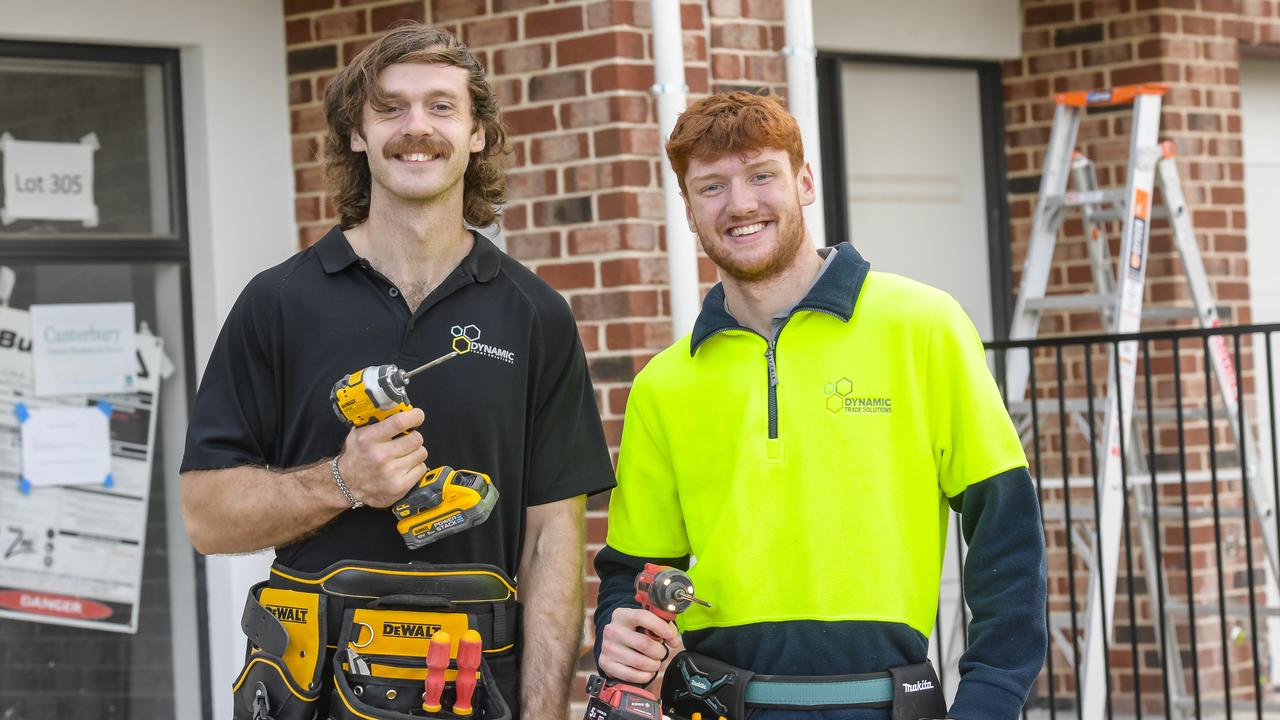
(72, 555)
(48, 180)
(65, 445)
(81, 348)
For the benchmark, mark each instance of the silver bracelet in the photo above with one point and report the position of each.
(346, 492)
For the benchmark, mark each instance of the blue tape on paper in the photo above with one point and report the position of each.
(105, 407)
(24, 485)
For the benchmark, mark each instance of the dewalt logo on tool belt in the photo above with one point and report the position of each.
(840, 398)
(285, 613)
(408, 630)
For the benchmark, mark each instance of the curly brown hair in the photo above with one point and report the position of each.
(485, 182)
(733, 122)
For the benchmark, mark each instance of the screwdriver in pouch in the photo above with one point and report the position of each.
(468, 667)
(437, 664)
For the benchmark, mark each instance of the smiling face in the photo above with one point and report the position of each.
(745, 208)
(419, 135)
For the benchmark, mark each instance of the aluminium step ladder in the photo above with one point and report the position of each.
(1119, 299)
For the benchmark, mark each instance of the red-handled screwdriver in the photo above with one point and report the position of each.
(437, 664)
(468, 664)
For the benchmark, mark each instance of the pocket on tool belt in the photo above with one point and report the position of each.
(397, 640)
(365, 696)
(264, 691)
(282, 674)
(699, 685)
(505, 670)
(387, 634)
(390, 647)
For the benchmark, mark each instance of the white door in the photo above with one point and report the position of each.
(915, 182)
(915, 177)
(1260, 120)
(1260, 110)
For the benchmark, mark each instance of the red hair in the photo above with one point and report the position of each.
(734, 122)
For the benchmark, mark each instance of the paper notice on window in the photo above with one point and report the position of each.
(72, 555)
(84, 348)
(65, 446)
(48, 180)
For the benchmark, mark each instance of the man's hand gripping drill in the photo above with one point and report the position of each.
(638, 643)
(383, 460)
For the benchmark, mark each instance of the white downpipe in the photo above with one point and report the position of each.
(671, 92)
(802, 101)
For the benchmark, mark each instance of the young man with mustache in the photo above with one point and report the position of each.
(801, 448)
(415, 148)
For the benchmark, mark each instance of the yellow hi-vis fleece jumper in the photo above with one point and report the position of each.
(810, 475)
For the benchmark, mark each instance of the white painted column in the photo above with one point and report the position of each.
(802, 101)
(670, 90)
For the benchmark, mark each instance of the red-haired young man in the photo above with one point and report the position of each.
(801, 448)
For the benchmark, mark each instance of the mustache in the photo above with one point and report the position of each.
(424, 145)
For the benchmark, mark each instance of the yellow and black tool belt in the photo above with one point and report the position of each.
(352, 640)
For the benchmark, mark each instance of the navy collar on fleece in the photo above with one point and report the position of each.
(835, 293)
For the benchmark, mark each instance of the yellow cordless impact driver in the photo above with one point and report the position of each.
(445, 501)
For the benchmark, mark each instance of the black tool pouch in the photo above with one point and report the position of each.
(698, 684)
(384, 692)
(282, 675)
(917, 693)
(356, 697)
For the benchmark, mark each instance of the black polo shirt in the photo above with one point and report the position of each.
(519, 406)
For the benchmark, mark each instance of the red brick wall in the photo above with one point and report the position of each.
(746, 43)
(585, 207)
(1195, 46)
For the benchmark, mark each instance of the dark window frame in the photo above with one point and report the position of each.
(991, 107)
(174, 247)
(171, 249)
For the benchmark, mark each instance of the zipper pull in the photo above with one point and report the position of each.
(773, 367)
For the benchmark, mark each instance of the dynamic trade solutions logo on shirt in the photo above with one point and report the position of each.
(468, 336)
(841, 398)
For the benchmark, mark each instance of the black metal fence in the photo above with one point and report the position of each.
(1196, 556)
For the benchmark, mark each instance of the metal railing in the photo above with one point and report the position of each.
(1196, 613)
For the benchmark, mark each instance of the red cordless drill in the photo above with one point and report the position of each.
(666, 592)
(613, 700)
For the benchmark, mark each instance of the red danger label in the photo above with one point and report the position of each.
(64, 606)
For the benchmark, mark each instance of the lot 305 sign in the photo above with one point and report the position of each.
(48, 181)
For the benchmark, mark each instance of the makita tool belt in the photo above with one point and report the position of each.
(352, 640)
(699, 686)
